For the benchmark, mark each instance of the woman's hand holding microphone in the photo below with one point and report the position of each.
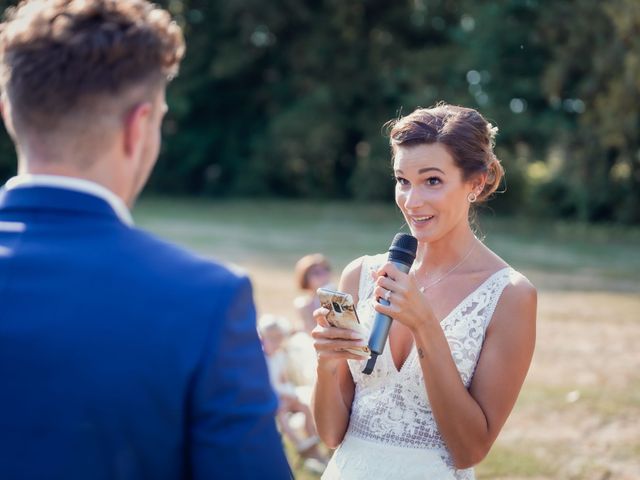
(408, 305)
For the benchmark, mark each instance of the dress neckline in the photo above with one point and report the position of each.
(459, 305)
(472, 293)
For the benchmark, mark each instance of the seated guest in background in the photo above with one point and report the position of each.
(121, 355)
(312, 272)
(274, 331)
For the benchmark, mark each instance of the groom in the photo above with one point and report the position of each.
(121, 356)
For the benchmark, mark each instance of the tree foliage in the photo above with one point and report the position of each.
(288, 97)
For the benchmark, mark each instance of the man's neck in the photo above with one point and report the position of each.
(83, 185)
(96, 174)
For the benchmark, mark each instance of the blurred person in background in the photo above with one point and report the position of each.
(311, 272)
(274, 332)
(121, 356)
(464, 330)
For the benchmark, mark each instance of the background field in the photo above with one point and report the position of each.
(578, 416)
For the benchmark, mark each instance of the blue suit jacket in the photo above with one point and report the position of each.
(122, 356)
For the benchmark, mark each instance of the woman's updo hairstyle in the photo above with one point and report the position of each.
(467, 135)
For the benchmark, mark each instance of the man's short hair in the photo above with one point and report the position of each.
(60, 56)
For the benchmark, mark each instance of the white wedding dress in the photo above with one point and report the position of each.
(392, 433)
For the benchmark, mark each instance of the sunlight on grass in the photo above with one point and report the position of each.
(287, 230)
(512, 462)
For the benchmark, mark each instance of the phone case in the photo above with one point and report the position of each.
(342, 314)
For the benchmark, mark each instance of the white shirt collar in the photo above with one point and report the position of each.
(77, 184)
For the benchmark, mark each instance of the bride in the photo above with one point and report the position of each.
(464, 330)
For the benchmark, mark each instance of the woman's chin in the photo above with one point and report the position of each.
(423, 233)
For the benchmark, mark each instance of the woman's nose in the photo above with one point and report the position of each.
(413, 199)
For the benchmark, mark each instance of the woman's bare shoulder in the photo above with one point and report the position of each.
(518, 301)
(350, 278)
(519, 288)
(352, 273)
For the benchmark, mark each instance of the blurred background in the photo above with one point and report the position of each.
(286, 98)
(274, 148)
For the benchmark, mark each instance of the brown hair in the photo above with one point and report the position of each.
(305, 264)
(466, 134)
(57, 57)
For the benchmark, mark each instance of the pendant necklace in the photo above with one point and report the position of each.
(426, 287)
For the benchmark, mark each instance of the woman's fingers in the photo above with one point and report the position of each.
(326, 344)
(320, 316)
(391, 271)
(342, 355)
(398, 282)
(332, 342)
(390, 310)
(393, 294)
(332, 350)
(335, 333)
(386, 282)
(381, 292)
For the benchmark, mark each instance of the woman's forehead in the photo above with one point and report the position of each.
(418, 157)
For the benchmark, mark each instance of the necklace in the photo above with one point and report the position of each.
(426, 287)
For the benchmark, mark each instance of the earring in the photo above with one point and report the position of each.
(472, 197)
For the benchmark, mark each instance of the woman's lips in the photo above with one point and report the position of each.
(421, 220)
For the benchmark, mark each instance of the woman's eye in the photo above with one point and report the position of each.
(433, 181)
(401, 181)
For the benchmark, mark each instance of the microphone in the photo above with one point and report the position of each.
(402, 253)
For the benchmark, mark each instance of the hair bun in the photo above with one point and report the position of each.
(495, 173)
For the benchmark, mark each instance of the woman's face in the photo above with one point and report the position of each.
(318, 276)
(430, 191)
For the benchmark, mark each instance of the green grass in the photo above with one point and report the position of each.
(515, 461)
(282, 231)
(606, 403)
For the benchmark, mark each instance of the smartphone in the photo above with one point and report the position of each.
(342, 314)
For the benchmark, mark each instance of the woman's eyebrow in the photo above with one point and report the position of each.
(423, 170)
(428, 169)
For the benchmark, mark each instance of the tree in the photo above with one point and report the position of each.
(289, 97)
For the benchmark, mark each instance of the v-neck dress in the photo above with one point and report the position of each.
(392, 432)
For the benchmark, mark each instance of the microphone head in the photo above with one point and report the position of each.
(403, 249)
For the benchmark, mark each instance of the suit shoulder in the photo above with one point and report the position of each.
(168, 260)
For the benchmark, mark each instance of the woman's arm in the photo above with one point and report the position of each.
(334, 388)
(470, 420)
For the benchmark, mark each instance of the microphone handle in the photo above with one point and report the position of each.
(382, 323)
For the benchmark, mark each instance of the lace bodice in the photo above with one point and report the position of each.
(391, 406)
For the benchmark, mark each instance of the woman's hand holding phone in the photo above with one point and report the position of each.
(334, 344)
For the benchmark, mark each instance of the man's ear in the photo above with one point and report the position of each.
(5, 111)
(136, 129)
